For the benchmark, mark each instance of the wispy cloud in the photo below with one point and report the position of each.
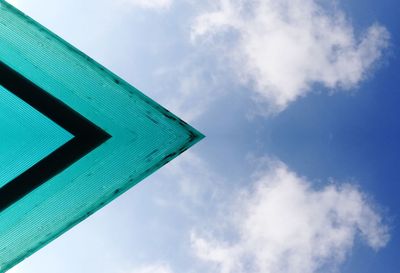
(13, 2)
(280, 224)
(149, 4)
(195, 187)
(156, 268)
(193, 86)
(285, 225)
(276, 222)
(284, 47)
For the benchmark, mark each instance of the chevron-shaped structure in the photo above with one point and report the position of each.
(96, 136)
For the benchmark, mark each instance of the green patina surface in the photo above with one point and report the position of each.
(145, 136)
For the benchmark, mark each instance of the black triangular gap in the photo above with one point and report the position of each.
(87, 136)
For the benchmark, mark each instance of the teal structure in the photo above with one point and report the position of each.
(26, 136)
(143, 136)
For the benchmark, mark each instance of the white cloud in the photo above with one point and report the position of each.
(285, 225)
(193, 188)
(156, 268)
(194, 178)
(13, 2)
(284, 47)
(193, 90)
(282, 225)
(149, 4)
(16, 270)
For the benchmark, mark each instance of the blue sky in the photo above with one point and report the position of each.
(299, 170)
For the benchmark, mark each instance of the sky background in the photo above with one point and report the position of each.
(299, 170)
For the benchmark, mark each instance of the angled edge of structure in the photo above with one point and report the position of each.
(86, 137)
(144, 136)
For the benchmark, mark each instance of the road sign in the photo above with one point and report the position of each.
(73, 136)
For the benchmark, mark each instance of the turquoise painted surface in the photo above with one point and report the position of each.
(145, 136)
(26, 136)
